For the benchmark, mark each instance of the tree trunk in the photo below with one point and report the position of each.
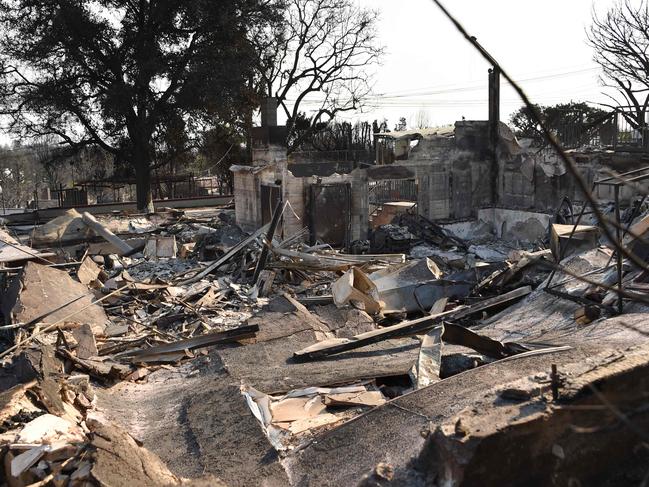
(142, 163)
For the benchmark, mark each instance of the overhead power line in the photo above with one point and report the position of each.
(457, 89)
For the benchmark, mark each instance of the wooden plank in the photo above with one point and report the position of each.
(492, 302)
(414, 327)
(261, 263)
(459, 335)
(236, 334)
(268, 366)
(333, 262)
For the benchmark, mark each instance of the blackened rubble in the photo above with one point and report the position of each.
(261, 345)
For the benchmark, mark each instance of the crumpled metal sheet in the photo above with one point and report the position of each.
(429, 362)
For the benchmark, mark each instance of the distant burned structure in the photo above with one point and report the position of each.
(453, 174)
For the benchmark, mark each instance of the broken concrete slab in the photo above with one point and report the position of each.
(65, 229)
(38, 290)
(105, 248)
(101, 230)
(26, 459)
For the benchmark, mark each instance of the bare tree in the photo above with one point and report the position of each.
(319, 56)
(621, 42)
(421, 119)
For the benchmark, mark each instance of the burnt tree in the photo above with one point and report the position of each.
(571, 122)
(318, 61)
(120, 74)
(620, 39)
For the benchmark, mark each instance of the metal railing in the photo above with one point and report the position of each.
(620, 129)
(387, 190)
(632, 130)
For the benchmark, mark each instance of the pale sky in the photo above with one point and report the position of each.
(430, 66)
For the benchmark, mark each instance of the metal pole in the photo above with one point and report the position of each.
(619, 254)
(494, 122)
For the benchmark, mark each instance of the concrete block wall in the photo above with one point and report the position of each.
(434, 198)
(462, 204)
(247, 194)
(453, 188)
(481, 177)
(294, 190)
(542, 192)
(360, 217)
(269, 155)
(454, 182)
(246, 200)
(516, 190)
(607, 193)
(516, 225)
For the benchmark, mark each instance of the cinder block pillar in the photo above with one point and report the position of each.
(360, 214)
(269, 112)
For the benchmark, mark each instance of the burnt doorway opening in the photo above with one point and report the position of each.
(330, 214)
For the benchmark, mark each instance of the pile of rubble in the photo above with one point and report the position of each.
(234, 355)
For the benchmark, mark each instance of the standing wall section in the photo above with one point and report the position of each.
(246, 199)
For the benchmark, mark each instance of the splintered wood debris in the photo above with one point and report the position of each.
(311, 337)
